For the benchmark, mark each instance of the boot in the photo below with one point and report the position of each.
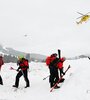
(62, 80)
(15, 86)
(27, 86)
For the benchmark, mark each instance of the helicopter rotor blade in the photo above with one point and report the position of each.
(79, 17)
(80, 13)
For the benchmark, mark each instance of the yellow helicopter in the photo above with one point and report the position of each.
(84, 17)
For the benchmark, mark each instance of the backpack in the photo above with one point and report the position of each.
(52, 61)
(48, 61)
(26, 64)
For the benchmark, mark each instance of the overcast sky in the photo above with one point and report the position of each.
(43, 26)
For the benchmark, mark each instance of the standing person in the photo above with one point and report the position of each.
(60, 66)
(51, 61)
(22, 71)
(1, 63)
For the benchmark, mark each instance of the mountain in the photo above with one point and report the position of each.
(29, 56)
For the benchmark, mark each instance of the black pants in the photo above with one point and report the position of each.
(54, 77)
(23, 73)
(1, 81)
(61, 72)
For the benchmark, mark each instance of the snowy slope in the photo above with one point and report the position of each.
(75, 87)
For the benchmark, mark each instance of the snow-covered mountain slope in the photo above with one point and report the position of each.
(75, 87)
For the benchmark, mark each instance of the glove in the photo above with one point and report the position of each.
(63, 73)
(17, 70)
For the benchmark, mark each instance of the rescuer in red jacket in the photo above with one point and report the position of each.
(1, 63)
(60, 66)
(22, 70)
(51, 62)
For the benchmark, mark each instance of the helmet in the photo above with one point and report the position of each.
(20, 57)
(54, 54)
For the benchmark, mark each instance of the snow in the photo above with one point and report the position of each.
(75, 87)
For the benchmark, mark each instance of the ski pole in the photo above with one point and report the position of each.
(11, 68)
(46, 77)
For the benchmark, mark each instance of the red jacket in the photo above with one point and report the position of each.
(60, 64)
(49, 59)
(23, 64)
(1, 62)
